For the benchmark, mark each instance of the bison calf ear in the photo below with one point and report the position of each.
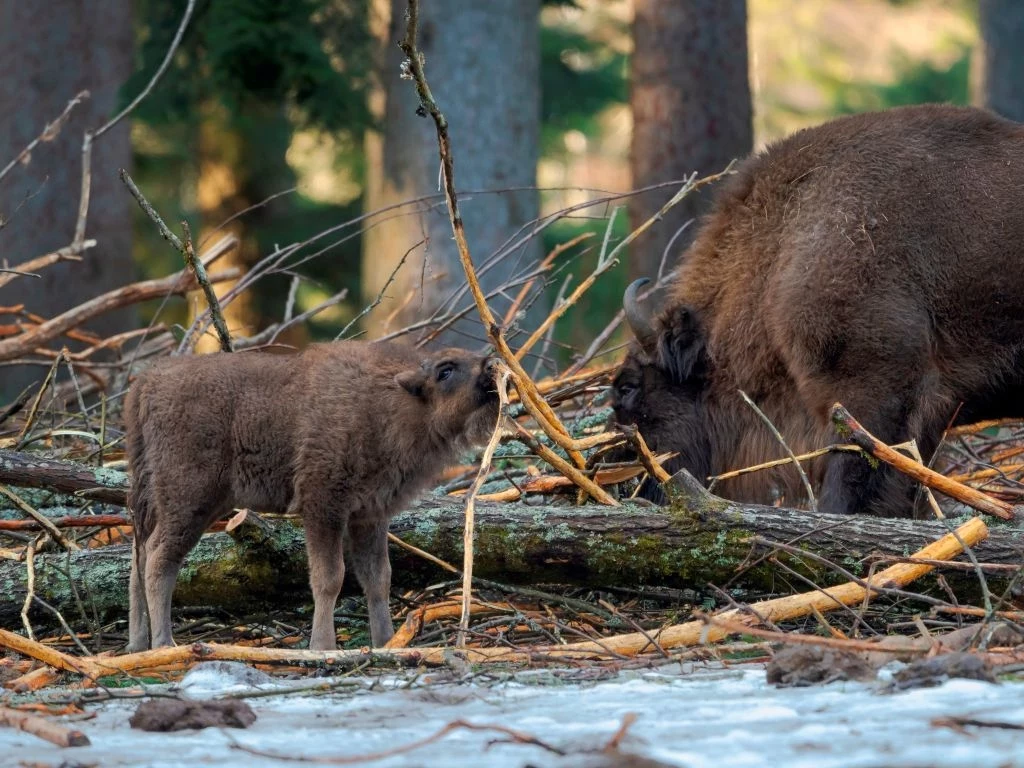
(412, 382)
(681, 348)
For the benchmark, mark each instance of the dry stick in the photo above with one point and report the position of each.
(40, 677)
(147, 208)
(794, 606)
(605, 261)
(43, 728)
(986, 595)
(425, 614)
(540, 484)
(50, 656)
(176, 284)
(528, 392)
(785, 446)
(68, 253)
(649, 461)
(501, 381)
(713, 479)
(30, 590)
(380, 295)
(204, 281)
(34, 410)
(687, 634)
(544, 266)
(40, 518)
(567, 469)
(425, 555)
(850, 427)
(519, 737)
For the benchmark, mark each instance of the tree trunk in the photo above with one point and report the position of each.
(1002, 30)
(483, 64)
(690, 96)
(48, 53)
(698, 539)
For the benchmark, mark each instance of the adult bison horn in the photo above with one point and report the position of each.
(637, 318)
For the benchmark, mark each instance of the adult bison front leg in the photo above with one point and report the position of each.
(854, 483)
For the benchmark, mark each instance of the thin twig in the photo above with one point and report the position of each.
(49, 132)
(40, 518)
(380, 295)
(148, 209)
(188, 251)
(501, 382)
(91, 136)
(528, 392)
(785, 446)
(168, 57)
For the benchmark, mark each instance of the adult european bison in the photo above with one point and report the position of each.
(876, 260)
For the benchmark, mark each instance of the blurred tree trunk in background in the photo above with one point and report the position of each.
(483, 66)
(49, 51)
(690, 95)
(241, 164)
(1002, 32)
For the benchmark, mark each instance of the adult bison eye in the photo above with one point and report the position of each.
(445, 372)
(626, 389)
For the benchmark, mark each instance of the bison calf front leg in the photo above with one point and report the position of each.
(368, 553)
(324, 537)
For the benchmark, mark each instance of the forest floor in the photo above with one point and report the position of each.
(685, 715)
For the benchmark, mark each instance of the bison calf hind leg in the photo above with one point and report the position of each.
(173, 538)
(138, 610)
(368, 553)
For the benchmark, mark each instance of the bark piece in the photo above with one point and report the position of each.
(804, 665)
(180, 715)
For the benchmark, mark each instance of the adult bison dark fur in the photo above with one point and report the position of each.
(343, 434)
(876, 260)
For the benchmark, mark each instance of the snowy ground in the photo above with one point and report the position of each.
(685, 717)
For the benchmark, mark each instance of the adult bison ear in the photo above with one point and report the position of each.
(681, 349)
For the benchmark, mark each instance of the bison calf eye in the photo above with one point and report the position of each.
(445, 372)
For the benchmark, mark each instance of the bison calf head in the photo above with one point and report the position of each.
(459, 390)
(662, 386)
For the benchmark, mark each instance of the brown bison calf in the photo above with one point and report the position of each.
(344, 434)
(876, 260)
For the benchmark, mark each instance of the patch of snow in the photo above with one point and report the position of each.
(212, 678)
(704, 718)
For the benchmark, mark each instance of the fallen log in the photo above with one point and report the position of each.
(704, 630)
(698, 539)
(29, 470)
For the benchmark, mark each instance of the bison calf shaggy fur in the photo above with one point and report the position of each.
(343, 434)
(876, 260)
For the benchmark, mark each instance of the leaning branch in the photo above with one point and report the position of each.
(548, 419)
(850, 427)
(177, 284)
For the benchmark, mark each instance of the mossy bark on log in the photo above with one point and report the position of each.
(29, 470)
(697, 539)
